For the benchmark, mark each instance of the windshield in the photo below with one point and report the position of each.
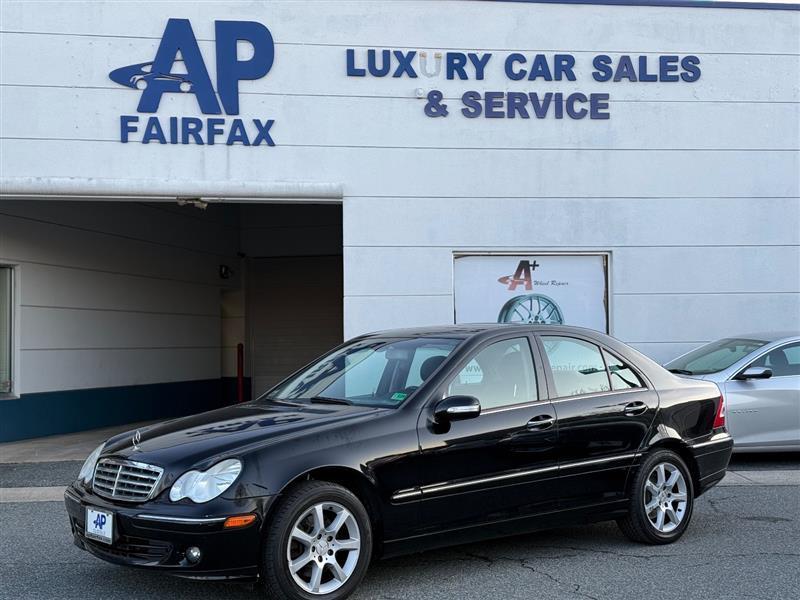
(714, 357)
(372, 372)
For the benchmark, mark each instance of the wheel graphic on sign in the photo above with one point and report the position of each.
(531, 308)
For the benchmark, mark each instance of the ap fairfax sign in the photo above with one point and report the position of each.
(179, 68)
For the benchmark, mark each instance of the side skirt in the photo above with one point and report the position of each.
(506, 528)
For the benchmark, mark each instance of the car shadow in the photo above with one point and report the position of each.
(765, 461)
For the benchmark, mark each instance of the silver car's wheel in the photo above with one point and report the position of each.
(323, 548)
(665, 497)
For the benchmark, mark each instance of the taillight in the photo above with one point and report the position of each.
(719, 418)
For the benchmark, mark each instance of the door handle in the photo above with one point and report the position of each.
(634, 408)
(541, 422)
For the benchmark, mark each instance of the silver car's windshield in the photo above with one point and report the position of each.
(714, 357)
(371, 372)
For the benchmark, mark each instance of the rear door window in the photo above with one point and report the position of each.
(577, 366)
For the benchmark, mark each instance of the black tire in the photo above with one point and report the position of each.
(637, 524)
(275, 571)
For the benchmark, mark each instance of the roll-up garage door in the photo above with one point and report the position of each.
(295, 313)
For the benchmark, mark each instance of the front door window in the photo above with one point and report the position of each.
(500, 375)
(783, 361)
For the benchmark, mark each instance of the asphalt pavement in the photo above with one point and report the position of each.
(742, 543)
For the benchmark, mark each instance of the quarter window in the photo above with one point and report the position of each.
(499, 375)
(577, 366)
(622, 376)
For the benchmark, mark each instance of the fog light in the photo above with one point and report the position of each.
(193, 554)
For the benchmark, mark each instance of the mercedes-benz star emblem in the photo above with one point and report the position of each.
(137, 437)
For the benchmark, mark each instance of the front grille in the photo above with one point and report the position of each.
(125, 480)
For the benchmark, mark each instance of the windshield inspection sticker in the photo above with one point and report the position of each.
(399, 396)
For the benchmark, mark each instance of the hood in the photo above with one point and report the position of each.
(199, 440)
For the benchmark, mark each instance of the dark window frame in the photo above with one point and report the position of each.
(553, 394)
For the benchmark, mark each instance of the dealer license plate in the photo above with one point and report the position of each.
(99, 525)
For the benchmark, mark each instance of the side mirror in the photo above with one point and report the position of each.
(457, 408)
(755, 373)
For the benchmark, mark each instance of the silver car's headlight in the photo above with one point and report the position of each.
(202, 486)
(87, 470)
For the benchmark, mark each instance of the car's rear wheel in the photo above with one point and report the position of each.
(318, 543)
(662, 500)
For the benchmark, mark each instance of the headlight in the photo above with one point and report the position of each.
(87, 470)
(202, 486)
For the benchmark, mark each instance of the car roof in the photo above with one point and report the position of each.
(467, 330)
(765, 336)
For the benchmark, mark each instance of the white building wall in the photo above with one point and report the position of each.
(694, 188)
(683, 270)
(116, 294)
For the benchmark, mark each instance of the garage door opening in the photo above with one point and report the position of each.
(294, 282)
(130, 311)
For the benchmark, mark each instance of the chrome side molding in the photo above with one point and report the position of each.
(725, 438)
(436, 488)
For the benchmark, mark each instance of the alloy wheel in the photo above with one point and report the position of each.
(323, 548)
(665, 497)
(531, 308)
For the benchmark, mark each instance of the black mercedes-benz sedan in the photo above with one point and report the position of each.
(401, 441)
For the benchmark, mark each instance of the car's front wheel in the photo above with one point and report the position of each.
(318, 543)
(662, 500)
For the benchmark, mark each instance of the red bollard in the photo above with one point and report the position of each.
(240, 372)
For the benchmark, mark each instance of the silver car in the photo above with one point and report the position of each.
(759, 375)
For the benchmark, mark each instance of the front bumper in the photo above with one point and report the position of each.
(156, 535)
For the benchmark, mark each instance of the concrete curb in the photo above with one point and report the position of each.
(32, 494)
